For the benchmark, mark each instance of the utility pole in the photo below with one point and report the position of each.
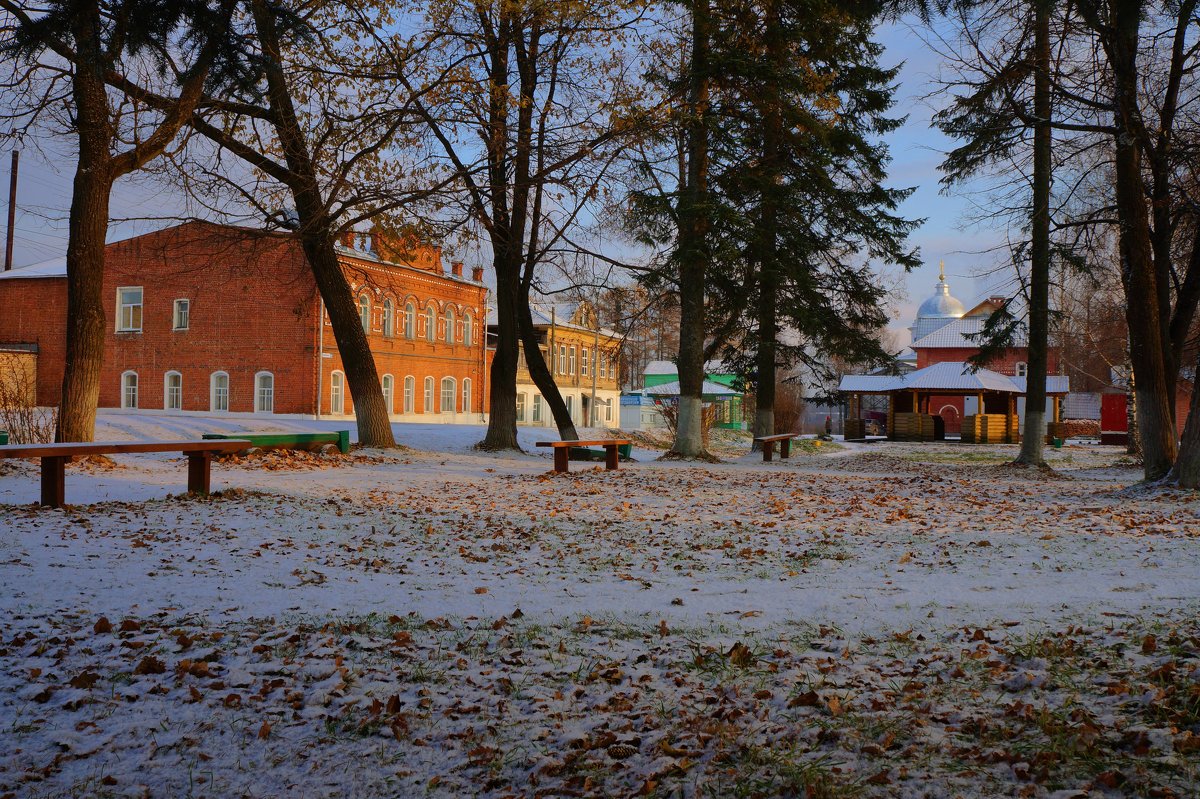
(12, 211)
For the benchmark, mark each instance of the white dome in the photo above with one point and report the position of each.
(941, 305)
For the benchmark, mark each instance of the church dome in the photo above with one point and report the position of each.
(938, 310)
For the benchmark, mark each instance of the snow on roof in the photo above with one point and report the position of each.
(660, 368)
(709, 389)
(55, 267)
(958, 333)
(948, 376)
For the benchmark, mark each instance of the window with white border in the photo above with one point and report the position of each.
(449, 326)
(537, 408)
(410, 391)
(218, 392)
(173, 391)
(520, 407)
(181, 315)
(364, 312)
(448, 395)
(466, 395)
(1022, 369)
(388, 384)
(410, 320)
(129, 309)
(585, 355)
(389, 319)
(468, 331)
(430, 324)
(264, 392)
(572, 361)
(427, 407)
(337, 393)
(129, 389)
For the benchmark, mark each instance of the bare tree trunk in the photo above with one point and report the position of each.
(693, 247)
(502, 410)
(1186, 471)
(1033, 435)
(1156, 425)
(541, 375)
(318, 241)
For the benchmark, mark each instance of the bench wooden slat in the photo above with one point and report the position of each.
(71, 449)
(596, 443)
(768, 445)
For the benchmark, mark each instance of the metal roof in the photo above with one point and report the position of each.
(958, 334)
(660, 368)
(55, 267)
(709, 389)
(948, 376)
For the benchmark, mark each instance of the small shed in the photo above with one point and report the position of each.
(908, 418)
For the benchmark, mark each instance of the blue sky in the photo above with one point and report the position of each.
(44, 193)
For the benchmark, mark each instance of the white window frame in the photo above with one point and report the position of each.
(430, 323)
(214, 394)
(429, 387)
(410, 320)
(167, 406)
(449, 319)
(468, 331)
(337, 392)
(389, 318)
(387, 384)
(1021, 369)
(608, 406)
(129, 399)
(585, 354)
(181, 314)
(570, 400)
(128, 326)
(364, 311)
(261, 406)
(452, 394)
(571, 361)
(520, 407)
(537, 409)
(410, 393)
(466, 395)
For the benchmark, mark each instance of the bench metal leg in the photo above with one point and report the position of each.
(199, 472)
(54, 483)
(610, 457)
(768, 451)
(561, 457)
(785, 449)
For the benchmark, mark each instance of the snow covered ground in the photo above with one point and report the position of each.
(880, 620)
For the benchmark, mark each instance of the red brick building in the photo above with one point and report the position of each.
(218, 319)
(946, 332)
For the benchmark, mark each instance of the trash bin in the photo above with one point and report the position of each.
(1058, 442)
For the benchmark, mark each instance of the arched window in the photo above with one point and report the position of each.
(129, 389)
(410, 390)
(264, 393)
(337, 393)
(430, 324)
(364, 311)
(449, 325)
(448, 395)
(468, 331)
(218, 392)
(410, 320)
(389, 319)
(428, 406)
(173, 391)
(388, 383)
(466, 406)
(1022, 369)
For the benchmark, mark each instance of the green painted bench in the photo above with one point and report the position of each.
(289, 440)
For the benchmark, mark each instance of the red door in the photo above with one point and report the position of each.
(1114, 419)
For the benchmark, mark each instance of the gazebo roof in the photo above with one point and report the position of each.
(949, 377)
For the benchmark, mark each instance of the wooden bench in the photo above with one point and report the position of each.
(305, 441)
(562, 451)
(55, 456)
(768, 445)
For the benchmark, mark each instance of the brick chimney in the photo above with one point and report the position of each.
(456, 268)
(998, 300)
(477, 274)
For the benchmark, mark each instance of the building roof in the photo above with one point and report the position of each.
(948, 376)
(961, 333)
(542, 317)
(709, 389)
(660, 368)
(55, 267)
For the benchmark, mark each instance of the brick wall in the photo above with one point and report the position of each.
(34, 311)
(1005, 365)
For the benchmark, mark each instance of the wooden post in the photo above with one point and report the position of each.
(1010, 422)
(561, 457)
(891, 416)
(199, 472)
(610, 456)
(54, 489)
(785, 449)
(768, 451)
